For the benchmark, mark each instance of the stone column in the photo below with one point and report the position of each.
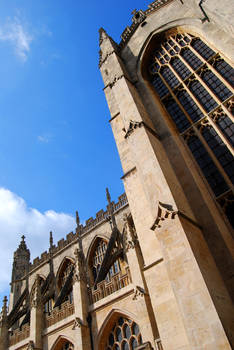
(80, 296)
(36, 317)
(4, 338)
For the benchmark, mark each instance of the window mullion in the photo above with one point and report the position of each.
(213, 157)
(229, 114)
(219, 132)
(176, 99)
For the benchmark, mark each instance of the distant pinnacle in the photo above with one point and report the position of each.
(51, 239)
(77, 219)
(108, 196)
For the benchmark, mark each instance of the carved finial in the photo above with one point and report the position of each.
(133, 12)
(77, 219)
(108, 196)
(23, 238)
(51, 239)
(22, 244)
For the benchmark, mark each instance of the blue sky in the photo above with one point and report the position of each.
(57, 152)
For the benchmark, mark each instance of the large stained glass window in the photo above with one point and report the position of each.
(195, 85)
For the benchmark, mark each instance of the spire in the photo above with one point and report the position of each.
(23, 245)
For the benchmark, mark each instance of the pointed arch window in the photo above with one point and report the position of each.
(195, 85)
(97, 259)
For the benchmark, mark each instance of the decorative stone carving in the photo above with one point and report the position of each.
(79, 271)
(78, 323)
(138, 16)
(114, 81)
(130, 239)
(132, 126)
(164, 211)
(138, 292)
(36, 297)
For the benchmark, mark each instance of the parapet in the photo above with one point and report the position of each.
(90, 224)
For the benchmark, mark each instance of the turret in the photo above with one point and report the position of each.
(19, 269)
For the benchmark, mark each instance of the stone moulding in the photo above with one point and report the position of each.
(164, 212)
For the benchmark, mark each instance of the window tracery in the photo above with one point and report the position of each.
(97, 259)
(195, 85)
(125, 335)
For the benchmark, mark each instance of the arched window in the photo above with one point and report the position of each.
(195, 85)
(125, 335)
(97, 258)
(64, 282)
(67, 346)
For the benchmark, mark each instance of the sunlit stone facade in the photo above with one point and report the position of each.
(153, 271)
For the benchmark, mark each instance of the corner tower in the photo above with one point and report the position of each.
(169, 92)
(20, 269)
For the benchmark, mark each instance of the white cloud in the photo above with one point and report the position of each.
(16, 218)
(15, 33)
(43, 138)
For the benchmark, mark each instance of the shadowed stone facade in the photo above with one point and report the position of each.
(153, 271)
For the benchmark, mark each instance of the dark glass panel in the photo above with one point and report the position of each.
(202, 95)
(226, 71)
(121, 321)
(169, 77)
(135, 329)
(220, 90)
(125, 346)
(159, 86)
(209, 169)
(111, 339)
(180, 68)
(189, 105)
(191, 58)
(118, 334)
(220, 150)
(127, 332)
(227, 127)
(177, 114)
(116, 347)
(133, 343)
(204, 50)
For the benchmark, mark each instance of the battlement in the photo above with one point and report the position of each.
(90, 224)
(138, 18)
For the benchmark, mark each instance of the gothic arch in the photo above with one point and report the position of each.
(65, 261)
(107, 325)
(192, 25)
(93, 244)
(60, 341)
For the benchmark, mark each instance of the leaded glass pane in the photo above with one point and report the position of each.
(133, 343)
(127, 332)
(216, 85)
(135, 329)
(209, 169)
(225, 70)
(189, 105)
(125, 346)
(204, 50)
(177, 114)
(118, 334)
(220, 150)
(159, 85)
(202, 95)
(169, 77)
(191, 58)
(180, 68)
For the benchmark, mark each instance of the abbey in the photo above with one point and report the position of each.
(154, 270)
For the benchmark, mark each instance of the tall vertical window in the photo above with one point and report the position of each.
(195, 85)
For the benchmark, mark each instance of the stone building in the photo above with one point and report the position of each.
(153, 271)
